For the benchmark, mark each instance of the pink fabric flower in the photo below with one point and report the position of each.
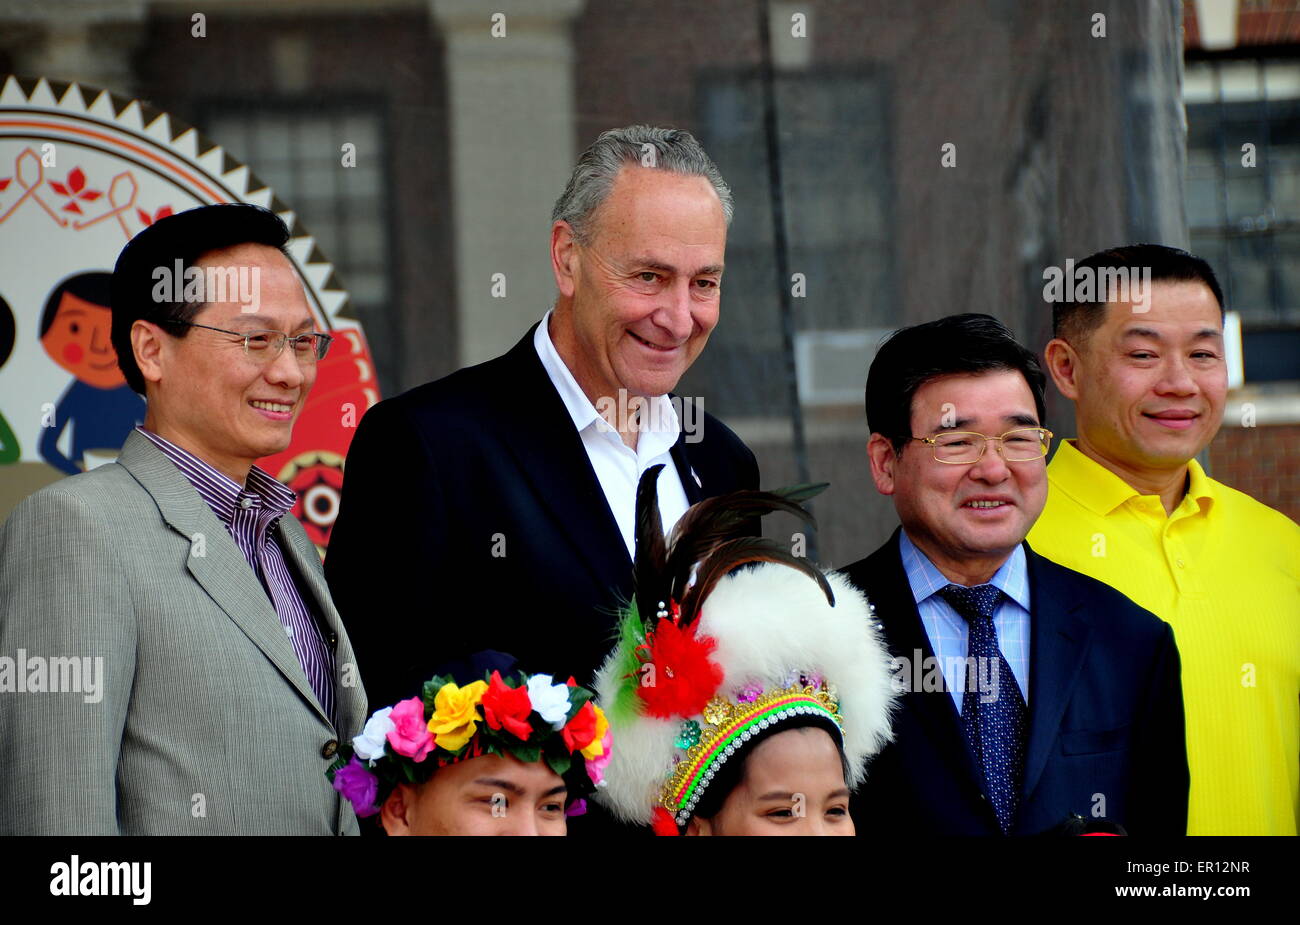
(410, 733)
(596, 766)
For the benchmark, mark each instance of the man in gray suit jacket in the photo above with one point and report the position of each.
(176, 665)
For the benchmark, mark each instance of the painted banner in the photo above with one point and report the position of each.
(82, 170)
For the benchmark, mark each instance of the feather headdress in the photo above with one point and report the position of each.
(727, 635)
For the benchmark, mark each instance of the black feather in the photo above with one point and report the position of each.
(734, 554)
(714, 521)
(801, 493)
(712, 534)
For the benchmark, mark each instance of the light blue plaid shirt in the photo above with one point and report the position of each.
(949, 632)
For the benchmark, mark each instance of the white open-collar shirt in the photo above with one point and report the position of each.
(619, 467)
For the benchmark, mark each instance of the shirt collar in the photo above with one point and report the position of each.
(222, 493)
(1012, 577)
(1200, 487)
(663, 417)
(1102, 491)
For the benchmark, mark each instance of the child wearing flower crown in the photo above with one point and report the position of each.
(483, 749)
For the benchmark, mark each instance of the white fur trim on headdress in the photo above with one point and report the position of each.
(768, 620)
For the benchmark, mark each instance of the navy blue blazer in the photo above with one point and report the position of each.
(1105, 716)
(472, 519)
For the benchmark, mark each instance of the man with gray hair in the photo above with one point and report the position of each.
(519, 475)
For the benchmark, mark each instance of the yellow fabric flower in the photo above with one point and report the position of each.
(455, 714)
(595, 748)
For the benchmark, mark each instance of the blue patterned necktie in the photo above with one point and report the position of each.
(996, 728)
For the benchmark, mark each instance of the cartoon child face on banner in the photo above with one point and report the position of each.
(75, 330)
(81, 172)
(98, 409)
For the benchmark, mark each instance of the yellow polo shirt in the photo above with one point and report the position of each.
(1224, 571)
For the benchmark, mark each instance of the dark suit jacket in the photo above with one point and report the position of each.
(472, 519)
(1105, 715)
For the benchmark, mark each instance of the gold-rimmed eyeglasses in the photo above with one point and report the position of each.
(264, 346)
(959, 448)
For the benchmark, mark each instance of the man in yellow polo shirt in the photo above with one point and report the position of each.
(1129, 504)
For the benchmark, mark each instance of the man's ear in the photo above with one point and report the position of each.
(1063, 363)
(394, 811)
(147, 345)
(880, 451)
(698, 826)
(564, 257)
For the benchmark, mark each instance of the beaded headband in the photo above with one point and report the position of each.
(727, 727)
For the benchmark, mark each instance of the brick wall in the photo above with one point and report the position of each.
(1264, 462)
(1259, 22)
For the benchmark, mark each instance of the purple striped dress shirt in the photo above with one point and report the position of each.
(250, 514)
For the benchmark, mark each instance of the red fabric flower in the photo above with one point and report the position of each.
(580, 730)
(682, 678)
(507, 706)
(662, 822)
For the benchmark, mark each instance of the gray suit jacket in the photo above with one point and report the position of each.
(204, 722)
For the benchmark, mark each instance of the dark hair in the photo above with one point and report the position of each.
(92, 287)
(911, 357)
(478, 667)
(1075, 320)
(185, 236)
(729, 775)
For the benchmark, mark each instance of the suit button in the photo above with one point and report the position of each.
(329, 748)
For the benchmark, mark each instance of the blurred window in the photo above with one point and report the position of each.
(835, 157)
(297, 150)
(1245, 219)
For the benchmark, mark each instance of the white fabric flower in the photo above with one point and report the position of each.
(370, 744)
(550, 701)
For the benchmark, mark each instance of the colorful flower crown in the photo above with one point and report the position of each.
(532, 719)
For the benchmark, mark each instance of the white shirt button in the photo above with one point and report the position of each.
(245, 503)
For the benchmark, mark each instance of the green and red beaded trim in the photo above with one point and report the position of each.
(724, 744)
